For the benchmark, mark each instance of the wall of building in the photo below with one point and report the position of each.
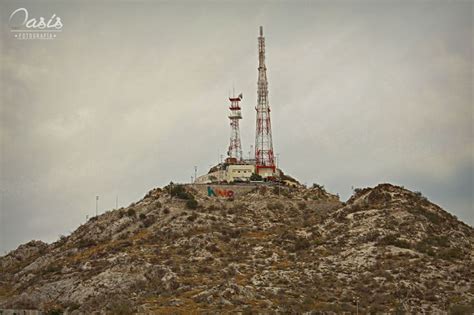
(212, 177)
(266, 172)
(239, 172)
(232, 173)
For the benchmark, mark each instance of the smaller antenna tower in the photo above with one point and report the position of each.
(235, 146)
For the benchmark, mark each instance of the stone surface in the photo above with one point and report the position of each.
(267, 249)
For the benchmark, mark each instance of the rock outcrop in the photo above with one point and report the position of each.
(386, 249)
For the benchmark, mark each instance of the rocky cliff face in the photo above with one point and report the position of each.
(289, 250)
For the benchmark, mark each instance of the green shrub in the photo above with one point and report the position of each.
(54, 310)
(371, 236)
(452, 253)
(460, 309)
(72, 306)
(131, 212)
(238, 207)
(52, 268)
(192, 217)
(191, 204)
(395, 241)
(121, 308)
(256, 177)
(425, 247)
(235, 233)
(179, 191)
(149, 220)
(285, 193)
(301, 244)
(85, 242)
(275, 205)
(276, 190)
(212, 208)
(440, 241)
(142, 216)
(301, 205)
(431, 216)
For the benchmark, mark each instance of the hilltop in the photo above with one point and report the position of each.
(266, 249)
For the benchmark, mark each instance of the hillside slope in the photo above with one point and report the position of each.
(289, 250)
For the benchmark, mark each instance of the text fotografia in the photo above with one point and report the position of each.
(25, 27)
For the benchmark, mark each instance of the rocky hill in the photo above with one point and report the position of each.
(386, 249)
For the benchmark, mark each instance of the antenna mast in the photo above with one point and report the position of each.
(264, 158)
(235, 146)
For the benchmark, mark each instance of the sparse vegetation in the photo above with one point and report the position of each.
(431, 216)
(371, 236)
(277, 205)
(121, 307)
(425, 248)
(192, 204)
(179, 191)
(394, 240)
(52, 268)
(192, 217)
(256, 177)
(86, 242)
(302, 205)
(310, 255)
(452, 253)
(462, 309)
(301, 244)
(52, 308)
(148, 220)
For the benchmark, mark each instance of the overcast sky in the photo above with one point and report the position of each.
(132, 95)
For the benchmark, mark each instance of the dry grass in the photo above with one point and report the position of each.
(257, 235)
(6, 291)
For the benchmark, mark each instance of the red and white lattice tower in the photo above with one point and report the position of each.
(264, 158)
(235, 147)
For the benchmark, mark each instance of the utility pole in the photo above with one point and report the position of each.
(195, 173)
(356, 302)
(96, 205)
(116, 202)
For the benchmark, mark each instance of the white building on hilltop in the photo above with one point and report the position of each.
(228, 173)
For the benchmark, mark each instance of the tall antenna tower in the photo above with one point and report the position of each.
(264, 159)
(235, 147)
